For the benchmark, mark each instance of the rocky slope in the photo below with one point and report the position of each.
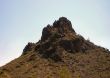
(61, 53)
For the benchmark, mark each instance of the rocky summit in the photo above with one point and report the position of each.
(61, 53)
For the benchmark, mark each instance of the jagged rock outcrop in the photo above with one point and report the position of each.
(58, 38)
(29, 47)
(61, 27)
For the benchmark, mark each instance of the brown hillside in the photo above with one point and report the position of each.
(61, 53)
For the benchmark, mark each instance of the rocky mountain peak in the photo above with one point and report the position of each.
(62, 26)
(61, 53)
(57, 39)
(63, 23)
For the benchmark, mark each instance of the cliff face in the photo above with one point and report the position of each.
(61, 53)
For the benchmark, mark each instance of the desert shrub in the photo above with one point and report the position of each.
(78, 76)
(1, 72)
(64, 73)
(18, 66)
(48, 76)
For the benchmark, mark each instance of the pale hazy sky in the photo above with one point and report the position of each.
(21, 21)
